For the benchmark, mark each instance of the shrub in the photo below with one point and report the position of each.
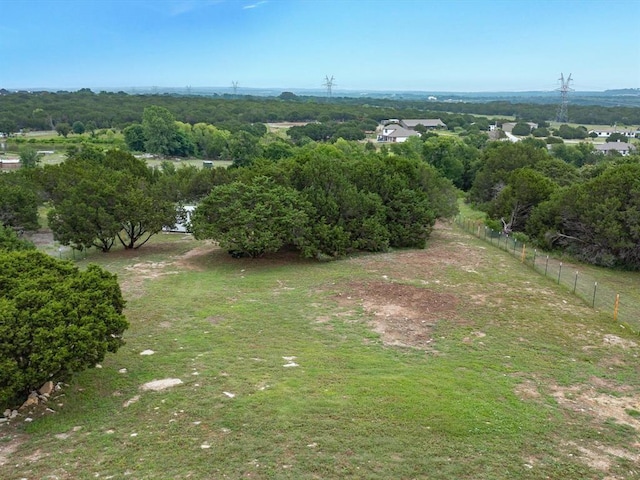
(54, 320)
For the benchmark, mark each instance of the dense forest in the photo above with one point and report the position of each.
(44, 110)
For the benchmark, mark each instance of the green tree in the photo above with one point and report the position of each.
(159, 129)
(63, 129)
(142, 211)
(18, 202)
(525, 189)
(29, 157)
(91, 127)
(134, 137)
(95, 202)
(244, 148)
(210, 141)
(85, 201)
(10, 241)
(8, 126)
(446, 155)
(56, 321)
(78, 127)
(540, 132)
(498, 160)
(521, 129)
(617, 137)
(252, 219)
(598, 220)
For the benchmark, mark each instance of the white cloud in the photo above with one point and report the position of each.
(254, 5)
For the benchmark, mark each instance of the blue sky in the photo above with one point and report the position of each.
(456, 45)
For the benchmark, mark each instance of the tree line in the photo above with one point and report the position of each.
(84, 108)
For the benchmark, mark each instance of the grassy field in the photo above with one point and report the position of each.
(451, 362)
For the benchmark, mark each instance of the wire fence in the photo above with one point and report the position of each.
(597, 293)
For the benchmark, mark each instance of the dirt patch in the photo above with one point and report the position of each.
(527, 390)
(192, 260)
(614, 340)
(7, 448)
(600, 457)
(403, 315)
(446, 248)
(601, 406)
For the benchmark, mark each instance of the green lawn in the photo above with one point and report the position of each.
(521, 380)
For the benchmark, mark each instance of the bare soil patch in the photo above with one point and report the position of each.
(446, 248)
(600, 406)
(7, 448)
(403, 315)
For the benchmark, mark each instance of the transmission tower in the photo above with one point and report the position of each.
(328, 84)
(563, 108)
(234, 85)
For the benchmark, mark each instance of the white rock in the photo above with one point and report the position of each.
(291, 364)
(147, 352)
(134, 434)
(131, 401)
(28, 419)
(288, 359)
(157, 385)
(7, 412)
(229, 394)
(205, 445)
(122, 370)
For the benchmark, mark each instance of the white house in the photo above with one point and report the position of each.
(394, 133)
(622, 148)
(607, 131)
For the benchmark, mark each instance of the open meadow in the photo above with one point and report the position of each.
(452, 362)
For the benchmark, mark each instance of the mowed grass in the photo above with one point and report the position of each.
(353, 407)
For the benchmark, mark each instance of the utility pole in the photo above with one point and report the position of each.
(563, 108)
(234, 85)
(328, 84)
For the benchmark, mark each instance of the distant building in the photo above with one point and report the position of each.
(508, 126)
(395, 133)
(9, 164)
(607, 131)
(622, 148)
(428, 123)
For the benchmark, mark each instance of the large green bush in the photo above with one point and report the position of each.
(55, 320)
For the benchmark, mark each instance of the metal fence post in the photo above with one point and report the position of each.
(595, 288)
(546, 267)
(575, 283)
(559, 273)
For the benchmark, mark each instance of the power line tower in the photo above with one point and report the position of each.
(328, 84)
(563, 108)
(234, 85)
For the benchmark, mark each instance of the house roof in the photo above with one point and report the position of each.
(398, 131)
(619, 146)
(615, 129)
(425, 122)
